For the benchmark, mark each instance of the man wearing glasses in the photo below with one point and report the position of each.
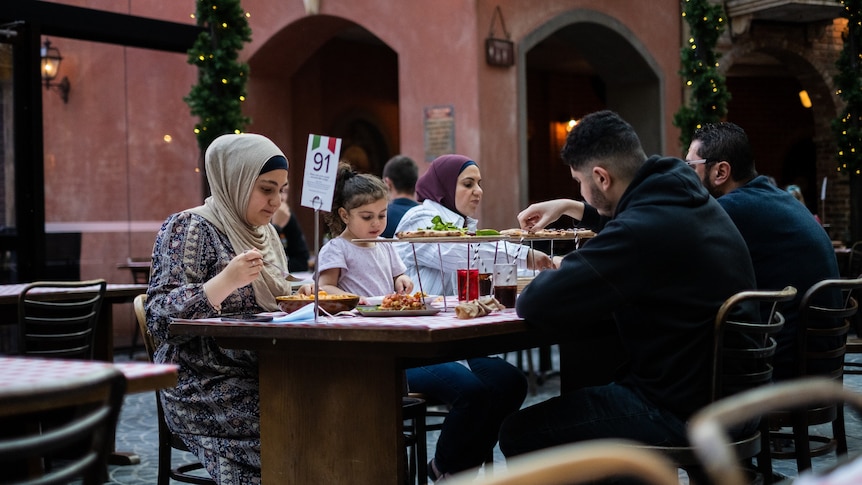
(787, 245)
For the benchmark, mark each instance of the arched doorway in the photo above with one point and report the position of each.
(792, 141)
(363, 143)
(328, 76)
(577, 63)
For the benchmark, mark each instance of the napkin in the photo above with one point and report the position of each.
(304, 314)
(478, 308)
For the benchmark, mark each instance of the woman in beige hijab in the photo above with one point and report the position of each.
(209, 261)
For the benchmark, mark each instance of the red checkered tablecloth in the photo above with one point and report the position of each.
(20, 373)
(431, 322)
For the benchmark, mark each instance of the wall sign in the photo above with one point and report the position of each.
(439, 131)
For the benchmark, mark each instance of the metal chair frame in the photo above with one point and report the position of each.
(59, 324)
(89, 430)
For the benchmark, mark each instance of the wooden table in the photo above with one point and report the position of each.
(330, 393)
(104, 336)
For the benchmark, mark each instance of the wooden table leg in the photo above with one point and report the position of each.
(330, 419)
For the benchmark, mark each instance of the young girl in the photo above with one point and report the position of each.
(364, 269)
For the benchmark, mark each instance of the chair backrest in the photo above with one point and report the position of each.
(854, 261)
(100, 393)
(742, 359)
(583, 462)
(743, 349)
(823, 326)
(708, 427)
(58, 319)
(140, 305)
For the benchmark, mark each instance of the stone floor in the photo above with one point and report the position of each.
(137, 433)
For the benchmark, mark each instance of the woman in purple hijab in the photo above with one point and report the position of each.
(482, 391)
(451, 189)
(438, 183)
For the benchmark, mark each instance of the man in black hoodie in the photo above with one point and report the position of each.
(665, 258)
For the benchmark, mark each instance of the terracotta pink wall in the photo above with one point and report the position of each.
(110, 172)
(441, 62)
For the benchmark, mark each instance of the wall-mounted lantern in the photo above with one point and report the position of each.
(499, 52)
(51, 59)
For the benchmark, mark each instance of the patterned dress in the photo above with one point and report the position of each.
(214, 407)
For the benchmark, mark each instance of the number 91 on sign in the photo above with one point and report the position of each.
(321, 168)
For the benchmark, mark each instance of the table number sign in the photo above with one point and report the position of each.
(321, 167)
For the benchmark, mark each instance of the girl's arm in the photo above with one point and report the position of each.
(328, 281)
(403, 284)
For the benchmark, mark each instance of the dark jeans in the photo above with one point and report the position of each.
(479, 399)
(610, 411)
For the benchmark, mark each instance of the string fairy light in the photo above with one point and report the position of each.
(708, 95)
(221, 89)
(847, 127)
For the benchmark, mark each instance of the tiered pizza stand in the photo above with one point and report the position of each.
(578, 235)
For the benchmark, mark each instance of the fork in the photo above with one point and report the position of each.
(284, 273)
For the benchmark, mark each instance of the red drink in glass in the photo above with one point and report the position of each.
(468, 284)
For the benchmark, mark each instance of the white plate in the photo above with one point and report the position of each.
(378, 300)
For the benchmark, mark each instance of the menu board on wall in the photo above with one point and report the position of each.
(439, 131)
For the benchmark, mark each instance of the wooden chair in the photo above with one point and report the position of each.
(854, 340)
(742, 359)
(582, 462)
(58, 319)
(413, 412)
(140, 271)
(820, 351)
(90, 430)
(167, 440)
(435, 413)
(708, 427)
(854, 260)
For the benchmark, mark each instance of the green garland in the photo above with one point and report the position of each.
(709, 95)
(217, 97)
(847, 128)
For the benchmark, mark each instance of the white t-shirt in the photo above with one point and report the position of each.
(365, 271)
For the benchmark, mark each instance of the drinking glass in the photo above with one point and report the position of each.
(468, 284)
(506, 283)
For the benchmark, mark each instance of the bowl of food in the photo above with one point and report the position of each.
(331, 304)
